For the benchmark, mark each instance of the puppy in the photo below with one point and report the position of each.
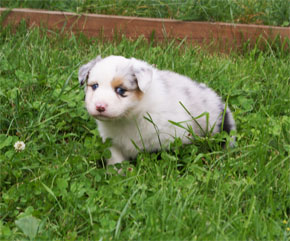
(135, 104)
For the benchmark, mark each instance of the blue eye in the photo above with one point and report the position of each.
(95, 86)
(121, 91)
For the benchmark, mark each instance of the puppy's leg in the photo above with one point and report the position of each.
(116, 156)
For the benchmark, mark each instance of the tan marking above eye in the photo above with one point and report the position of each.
(117, 82)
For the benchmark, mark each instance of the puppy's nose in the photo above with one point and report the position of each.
(100, 107)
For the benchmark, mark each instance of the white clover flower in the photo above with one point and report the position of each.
(19, 146)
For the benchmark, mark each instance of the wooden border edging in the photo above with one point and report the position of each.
(226, 35)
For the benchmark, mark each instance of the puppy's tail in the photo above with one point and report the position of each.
(227, 124)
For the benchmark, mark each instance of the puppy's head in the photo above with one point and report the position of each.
(114, 85)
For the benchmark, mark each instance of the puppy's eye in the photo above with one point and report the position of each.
(95, 86)
(121, 91)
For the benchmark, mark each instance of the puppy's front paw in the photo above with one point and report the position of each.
(116, 156)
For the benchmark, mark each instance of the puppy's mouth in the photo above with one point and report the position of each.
(107, 115)
(104, 117)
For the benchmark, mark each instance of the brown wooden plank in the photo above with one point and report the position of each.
(225, 35)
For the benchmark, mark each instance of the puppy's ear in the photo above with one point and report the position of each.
(143, 73)
(85, 70)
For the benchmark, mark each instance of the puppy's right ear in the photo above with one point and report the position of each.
(85, 69)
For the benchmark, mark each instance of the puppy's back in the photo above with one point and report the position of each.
(196, 98)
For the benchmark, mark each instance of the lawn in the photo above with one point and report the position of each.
(58, 188)
(268, 12)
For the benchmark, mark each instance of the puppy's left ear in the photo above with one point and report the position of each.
(85, 70)
(144, 75)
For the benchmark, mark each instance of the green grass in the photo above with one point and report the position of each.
(268, 12)
(58, 188)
